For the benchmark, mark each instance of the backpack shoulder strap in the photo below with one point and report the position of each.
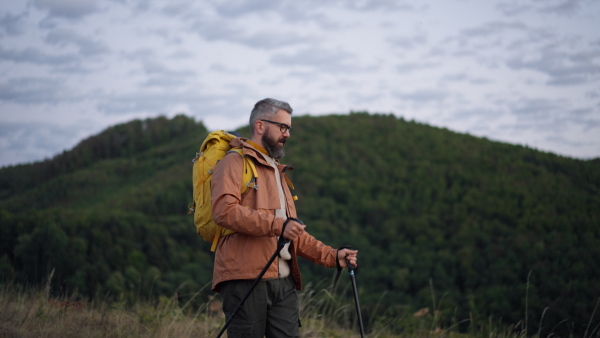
(249, 173)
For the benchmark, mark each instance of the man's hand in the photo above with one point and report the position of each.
(293, 229)
(347, 254)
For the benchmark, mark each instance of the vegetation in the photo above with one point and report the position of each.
(30, 312)
(474, 230)
(34, 313)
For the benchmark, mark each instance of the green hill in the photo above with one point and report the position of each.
(472, 227)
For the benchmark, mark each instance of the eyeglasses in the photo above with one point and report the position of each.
(282, 126)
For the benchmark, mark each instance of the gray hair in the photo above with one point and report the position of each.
(266, 109)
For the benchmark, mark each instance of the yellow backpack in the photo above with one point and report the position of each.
(214, 148)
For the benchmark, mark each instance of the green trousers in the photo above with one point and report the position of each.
(272, 310)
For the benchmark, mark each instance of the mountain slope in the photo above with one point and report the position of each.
(487, 225)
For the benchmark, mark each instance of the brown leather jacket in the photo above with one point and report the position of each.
(244, 254)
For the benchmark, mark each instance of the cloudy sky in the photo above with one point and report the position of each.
(519, 71)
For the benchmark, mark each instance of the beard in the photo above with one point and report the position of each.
(272, 145)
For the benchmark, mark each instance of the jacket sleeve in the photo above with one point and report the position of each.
(316, 251)
(228, 212)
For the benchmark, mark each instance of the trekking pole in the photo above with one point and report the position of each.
(351, 269)
(280, 244)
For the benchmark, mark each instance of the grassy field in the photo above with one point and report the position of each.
(32, 313)
(35, 313)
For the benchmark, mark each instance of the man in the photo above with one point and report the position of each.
(259, 217)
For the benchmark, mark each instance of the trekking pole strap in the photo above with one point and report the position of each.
(339, 267)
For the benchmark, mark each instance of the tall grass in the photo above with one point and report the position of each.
(34, 312)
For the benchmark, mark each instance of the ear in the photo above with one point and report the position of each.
(259, 127)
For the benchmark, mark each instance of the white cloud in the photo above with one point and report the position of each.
(424, 96)
(11, 24)
(31, 90)
(563, 68)
(322, 60)
(37, 56)
(561, 7)
(70, 9)
(87, 47)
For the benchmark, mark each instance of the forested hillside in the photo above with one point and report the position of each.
(473, 227)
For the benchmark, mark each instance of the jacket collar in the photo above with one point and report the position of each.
(251, 149)
(258, 147)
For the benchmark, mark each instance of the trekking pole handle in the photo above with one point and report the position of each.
(350, 266)
(282, 241)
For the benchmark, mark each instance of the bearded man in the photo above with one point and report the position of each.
(259, 217)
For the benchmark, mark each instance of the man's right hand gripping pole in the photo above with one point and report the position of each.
(292, 228)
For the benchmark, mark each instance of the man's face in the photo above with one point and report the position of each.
(273, 139)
